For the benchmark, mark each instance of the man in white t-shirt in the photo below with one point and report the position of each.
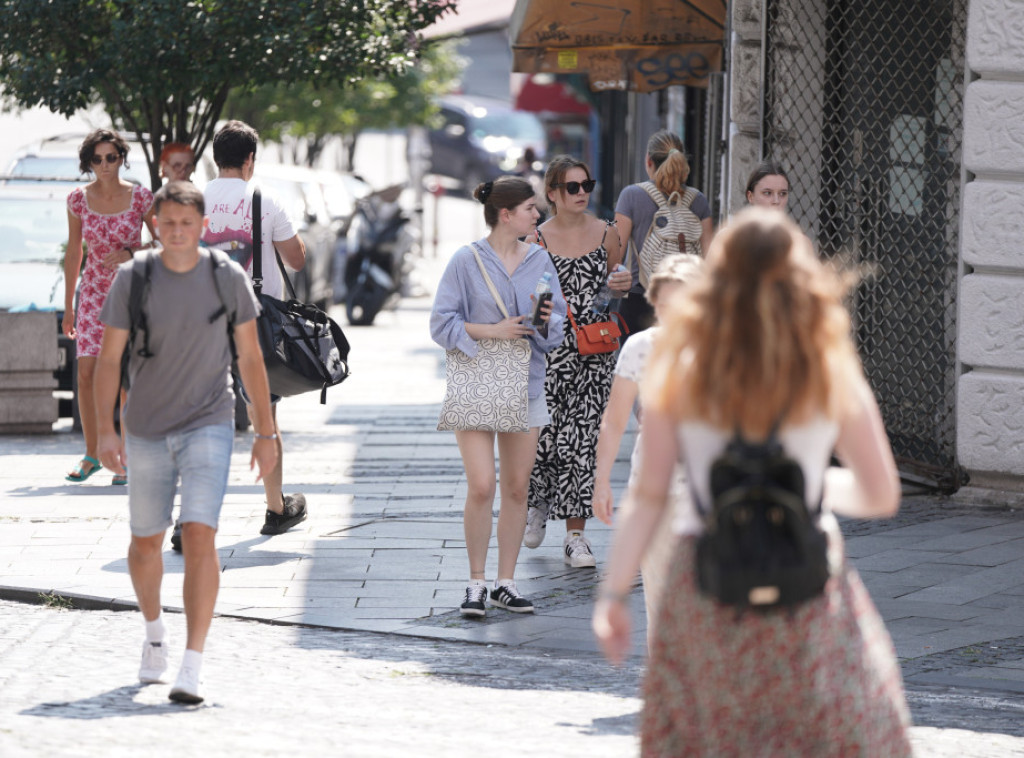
(229, 208)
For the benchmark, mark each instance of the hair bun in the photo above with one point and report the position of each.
(484, 192)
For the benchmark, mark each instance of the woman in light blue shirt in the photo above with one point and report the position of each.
(465, 311)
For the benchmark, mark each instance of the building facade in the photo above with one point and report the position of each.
(901, 123)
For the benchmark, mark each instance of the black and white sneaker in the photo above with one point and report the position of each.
(507, 596)
(473, 605)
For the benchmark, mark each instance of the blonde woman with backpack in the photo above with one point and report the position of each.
(760, 346)
(683, 211)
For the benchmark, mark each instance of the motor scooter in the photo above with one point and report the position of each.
(376, 257)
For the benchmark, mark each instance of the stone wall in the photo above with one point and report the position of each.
(28, 358)
(744, 98)
(990, 394)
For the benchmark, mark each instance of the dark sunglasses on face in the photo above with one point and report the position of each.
(111, 158)
(573, 188)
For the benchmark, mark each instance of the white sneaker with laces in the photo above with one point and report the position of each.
(154, 662)
(186, 687)
(536, 526)
(577, 551)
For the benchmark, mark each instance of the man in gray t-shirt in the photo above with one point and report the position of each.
(178, 418)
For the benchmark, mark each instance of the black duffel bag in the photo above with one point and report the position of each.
(303, 348)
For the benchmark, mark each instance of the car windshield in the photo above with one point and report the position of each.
(66, 168)
(48, 168)
(519, 126)
(32, 229)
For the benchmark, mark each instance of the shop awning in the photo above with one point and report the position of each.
(641, 45)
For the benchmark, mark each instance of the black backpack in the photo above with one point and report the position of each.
(142, 276)
(762, 547)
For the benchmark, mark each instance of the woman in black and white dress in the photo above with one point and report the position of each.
(584, 250)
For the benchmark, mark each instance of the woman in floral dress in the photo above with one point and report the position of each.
(760, 342)
(108, 214)
(584, 250)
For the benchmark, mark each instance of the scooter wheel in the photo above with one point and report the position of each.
(358, 314)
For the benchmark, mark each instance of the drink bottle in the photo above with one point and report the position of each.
(606, 294)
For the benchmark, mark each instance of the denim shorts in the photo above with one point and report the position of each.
(537, 412)
(200, 458)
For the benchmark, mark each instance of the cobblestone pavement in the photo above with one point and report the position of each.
(68, 688)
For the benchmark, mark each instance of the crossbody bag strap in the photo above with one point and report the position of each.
(568, 310)
(257, 240)
(490, 284)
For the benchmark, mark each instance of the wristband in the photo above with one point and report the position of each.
(265, 436)
(131, 253)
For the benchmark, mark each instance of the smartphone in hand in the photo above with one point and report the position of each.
(544, 297)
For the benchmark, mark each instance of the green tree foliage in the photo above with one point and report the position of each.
(164, 68)
(312, 113)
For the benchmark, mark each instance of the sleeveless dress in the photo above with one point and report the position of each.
(577, 388)
(103, 233)
(818, 680)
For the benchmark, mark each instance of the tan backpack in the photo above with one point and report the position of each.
(675, 229)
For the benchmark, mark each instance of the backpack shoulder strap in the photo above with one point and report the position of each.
(654, 193)
(689, 195)
(221, 268)
(142, 275)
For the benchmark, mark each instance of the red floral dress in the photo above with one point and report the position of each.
(103, 233)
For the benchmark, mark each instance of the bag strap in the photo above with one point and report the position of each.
(257, 245)
(257, 240)
(228, 305)
(618, 317)
(490, 284)
(142, 278)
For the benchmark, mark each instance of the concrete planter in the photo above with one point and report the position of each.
(28, 358)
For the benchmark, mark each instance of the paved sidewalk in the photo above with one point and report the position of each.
(383, 551)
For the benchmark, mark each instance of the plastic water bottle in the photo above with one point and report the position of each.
(541, 295)
(606, 294)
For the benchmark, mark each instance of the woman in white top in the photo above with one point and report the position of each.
(666, 283)
(761, 339)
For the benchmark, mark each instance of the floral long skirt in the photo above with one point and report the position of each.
(821, 680)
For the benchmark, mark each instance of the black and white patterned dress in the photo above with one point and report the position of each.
(577, 388)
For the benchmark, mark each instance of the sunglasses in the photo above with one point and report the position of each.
(573, 188)
(111, 158)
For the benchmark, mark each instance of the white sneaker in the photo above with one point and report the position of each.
(536, 526)
(154, 662)
(186, 687)
(577, 551)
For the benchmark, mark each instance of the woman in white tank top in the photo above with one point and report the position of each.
(761, 339)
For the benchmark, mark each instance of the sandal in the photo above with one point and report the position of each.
(120, 479)
(79, 473)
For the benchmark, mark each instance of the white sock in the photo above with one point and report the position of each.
(192, 659)
(155, 630)
(503, 582)
(480, 582)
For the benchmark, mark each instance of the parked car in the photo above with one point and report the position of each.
(33, 236)
(481, 139)
(301, 194)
